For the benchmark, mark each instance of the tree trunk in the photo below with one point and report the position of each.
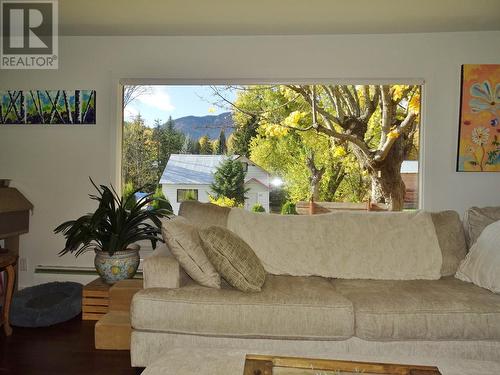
(315, 177)
(387, 185)
(22, 107)
(315, 184)
(77, 107)
(336, 178)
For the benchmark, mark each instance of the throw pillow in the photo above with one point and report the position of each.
(233, 258)
(185, 245)
(481, 266)
(476, 219)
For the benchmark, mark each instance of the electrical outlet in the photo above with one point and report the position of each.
(23, 264)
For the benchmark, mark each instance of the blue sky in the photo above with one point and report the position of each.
(177, 101)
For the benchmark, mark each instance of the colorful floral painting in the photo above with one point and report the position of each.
(21, 107)
(479, 138)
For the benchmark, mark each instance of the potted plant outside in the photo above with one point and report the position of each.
(113, 230)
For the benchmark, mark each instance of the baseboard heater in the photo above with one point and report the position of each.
(72, 270)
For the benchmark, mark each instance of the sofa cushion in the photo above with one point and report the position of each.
(347, 245)
(185, 245)
(287, 307)
(233, 259)
(204, 215)
(451, 238)
(446, 309)
(476, 219)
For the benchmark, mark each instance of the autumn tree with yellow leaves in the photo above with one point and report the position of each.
(378, 124)
(343, 112)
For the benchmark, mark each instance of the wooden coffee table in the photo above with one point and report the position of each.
(274, 365)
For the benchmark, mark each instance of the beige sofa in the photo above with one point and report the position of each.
(316, 315)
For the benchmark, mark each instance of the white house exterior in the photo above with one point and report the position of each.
(193, 174)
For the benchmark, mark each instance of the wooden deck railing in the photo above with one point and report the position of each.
(314, 208)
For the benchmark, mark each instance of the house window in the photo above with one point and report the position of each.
(187, 195)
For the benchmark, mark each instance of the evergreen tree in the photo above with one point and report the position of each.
(242, 136)
(229, 180)
(222, 147)
(168, 141)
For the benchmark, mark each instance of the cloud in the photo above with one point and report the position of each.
(159, 98)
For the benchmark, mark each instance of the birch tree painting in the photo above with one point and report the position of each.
(48, 107)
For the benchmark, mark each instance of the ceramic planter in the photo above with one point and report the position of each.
(119, 266)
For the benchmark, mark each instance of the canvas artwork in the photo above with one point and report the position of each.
(47, 107)
(479, 137)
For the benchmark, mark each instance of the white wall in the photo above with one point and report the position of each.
(170, 192)
(257, 193)
(257, 173)
(51, 164)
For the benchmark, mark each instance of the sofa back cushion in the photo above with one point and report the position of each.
(350, 245)
(451, 237)
(478, 218)
(204, 215)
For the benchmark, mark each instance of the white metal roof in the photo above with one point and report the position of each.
(193, 169)
(190, 169)
(409, 166)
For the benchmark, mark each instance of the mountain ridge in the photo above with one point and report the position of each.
(211, 125)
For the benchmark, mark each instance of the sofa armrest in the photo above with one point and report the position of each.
(161, 271)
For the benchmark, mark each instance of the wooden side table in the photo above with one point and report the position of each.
(7, 263)
(95, 299)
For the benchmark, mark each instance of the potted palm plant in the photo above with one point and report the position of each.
(113, 230)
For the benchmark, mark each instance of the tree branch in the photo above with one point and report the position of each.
(351, 102)
(387, 113)
(336, 104)
(405, 127)
(371, 104)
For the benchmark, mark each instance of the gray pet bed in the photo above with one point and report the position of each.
(46, 304)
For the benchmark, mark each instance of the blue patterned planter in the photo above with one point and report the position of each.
(122, 265)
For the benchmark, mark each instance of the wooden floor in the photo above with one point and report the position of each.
(66, 348)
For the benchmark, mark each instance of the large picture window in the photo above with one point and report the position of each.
(353, 146)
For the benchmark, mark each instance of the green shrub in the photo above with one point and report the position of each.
(288, 209)
(128, 190)
(160, 201)
(257, 207)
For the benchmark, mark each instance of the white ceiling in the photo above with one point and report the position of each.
(281, 17)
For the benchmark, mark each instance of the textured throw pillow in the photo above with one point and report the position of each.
(233, 258)
(185, 245)
(482, 265)
(476, 219)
